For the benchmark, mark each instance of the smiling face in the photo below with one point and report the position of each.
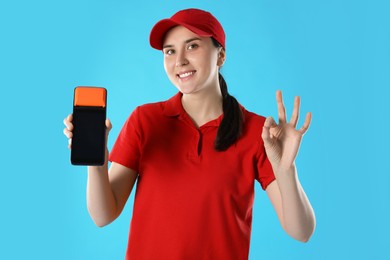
(190, 61)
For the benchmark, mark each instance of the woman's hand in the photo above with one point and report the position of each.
(282, 141)
(69, 128)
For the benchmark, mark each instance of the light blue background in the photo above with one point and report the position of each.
(334, 54)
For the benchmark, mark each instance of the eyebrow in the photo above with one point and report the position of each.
(186, 41)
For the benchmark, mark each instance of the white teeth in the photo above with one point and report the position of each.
(186, 74)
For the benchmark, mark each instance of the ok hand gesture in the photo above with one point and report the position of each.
(282, 141)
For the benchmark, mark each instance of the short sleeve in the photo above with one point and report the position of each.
(126, 150)
(265, 174)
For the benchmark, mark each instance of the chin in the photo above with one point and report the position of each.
(186, 90)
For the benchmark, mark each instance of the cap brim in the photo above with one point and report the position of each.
(158, 32)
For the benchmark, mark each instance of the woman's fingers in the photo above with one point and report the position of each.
(281, 108)
(266, 134)
(306, 124)
(67, 133)
(108, 127)
(68, 129)
(108, 124)
(70, 143)
(68, 126)
(68, 122)
(270, 122)
(295, 113)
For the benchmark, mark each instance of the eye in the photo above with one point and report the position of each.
(192, 46)
(169, 51)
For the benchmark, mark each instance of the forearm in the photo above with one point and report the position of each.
(298, 214)
(101, 201)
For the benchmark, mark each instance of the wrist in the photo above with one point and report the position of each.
(285, 175)
(281, 169)
(98, 170)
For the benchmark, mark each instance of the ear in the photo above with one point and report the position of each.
(221, 57)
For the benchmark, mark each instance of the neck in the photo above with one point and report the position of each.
(203, 106)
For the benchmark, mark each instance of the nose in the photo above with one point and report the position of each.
(181, 59)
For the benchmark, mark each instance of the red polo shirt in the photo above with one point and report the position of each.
(191, 202)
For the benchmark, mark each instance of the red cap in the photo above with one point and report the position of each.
(198, 21)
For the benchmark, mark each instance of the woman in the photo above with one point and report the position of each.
(196, 157)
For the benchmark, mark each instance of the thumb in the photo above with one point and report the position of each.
(108, 128)
(108, 125)
(266, 135)
(270, 122)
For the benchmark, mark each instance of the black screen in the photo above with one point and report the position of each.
(88, 142)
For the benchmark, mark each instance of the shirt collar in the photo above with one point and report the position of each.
(173, 106)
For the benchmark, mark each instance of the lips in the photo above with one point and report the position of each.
(186, 74)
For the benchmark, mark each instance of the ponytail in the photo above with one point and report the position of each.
(230, 128)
